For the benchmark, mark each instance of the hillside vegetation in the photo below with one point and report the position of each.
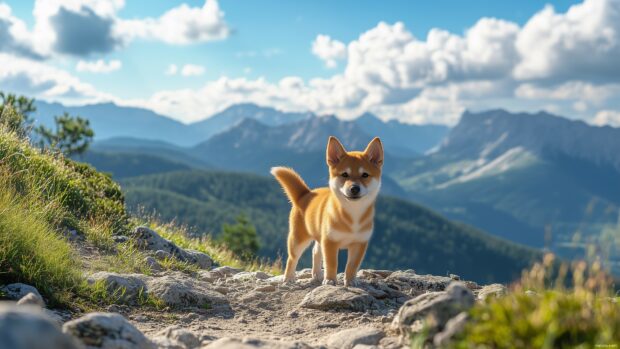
(412, 236)
(46, 202)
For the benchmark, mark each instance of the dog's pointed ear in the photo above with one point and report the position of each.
(335, 151)
(374, 152)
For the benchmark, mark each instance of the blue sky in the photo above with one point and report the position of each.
(259, 46)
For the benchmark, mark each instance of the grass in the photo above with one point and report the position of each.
(219, 253)
(577, 314)
(43, 195)
(31, 251)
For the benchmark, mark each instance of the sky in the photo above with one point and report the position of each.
(416, 61)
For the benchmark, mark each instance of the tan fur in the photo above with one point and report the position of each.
(329, 215)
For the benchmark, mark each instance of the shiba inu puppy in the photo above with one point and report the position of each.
(338, 217)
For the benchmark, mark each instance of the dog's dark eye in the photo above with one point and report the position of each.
(364, 175)
(344, 174)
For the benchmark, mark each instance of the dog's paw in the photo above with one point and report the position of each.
(317, 277)
(351, 283)
(289, 281)
(329, 282)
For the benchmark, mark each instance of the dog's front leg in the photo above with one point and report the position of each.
(330, 259)
(355, 255)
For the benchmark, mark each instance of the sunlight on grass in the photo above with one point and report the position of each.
(568, 307)
(221, 255)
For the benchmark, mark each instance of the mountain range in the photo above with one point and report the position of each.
(113, 121)
(535, 179)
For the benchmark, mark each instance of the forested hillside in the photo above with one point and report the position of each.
(412, 236)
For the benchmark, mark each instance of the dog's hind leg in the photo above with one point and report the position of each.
(317, 262)
(298, 241)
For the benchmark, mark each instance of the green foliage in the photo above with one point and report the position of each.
(30, 249)
(412, 236)
(82, 192)
(241, 238)
(584, 316)
(15, 112)
(218, 252)
(72, 135)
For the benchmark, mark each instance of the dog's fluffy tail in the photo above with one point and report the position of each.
(292, 183)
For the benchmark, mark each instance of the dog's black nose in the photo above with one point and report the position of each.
(355, 189)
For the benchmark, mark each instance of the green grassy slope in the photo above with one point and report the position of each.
(406, 236)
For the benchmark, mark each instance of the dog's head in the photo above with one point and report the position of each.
(355, 175)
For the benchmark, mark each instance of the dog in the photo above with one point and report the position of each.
(336, 217)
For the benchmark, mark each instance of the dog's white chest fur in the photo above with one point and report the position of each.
(356, 210)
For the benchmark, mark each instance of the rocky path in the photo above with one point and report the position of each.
(228, 308)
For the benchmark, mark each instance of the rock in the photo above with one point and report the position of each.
(247, 275)
(418, 284)
(437, 307)
(493, 290)
(175, 337)
(162, 255)
(249, 343)
(455, 277)
(348, 339)
(266, 288)
(153, 264)
(207, 276)
(107, 331)
(128, 287)
(328, 297)
(372, 274)
(276, 280)
(28, 327)
(453, 327)
(119, 239)
(32, 299)
(18, 291)
(180, 290)
(226, 271)
(202, 260)
(149, 240)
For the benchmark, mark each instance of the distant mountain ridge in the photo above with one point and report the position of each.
(537, 179)
(494, 132)
(112, 121)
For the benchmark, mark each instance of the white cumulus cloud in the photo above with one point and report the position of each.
(99, 66)
(607, 117)
(329, 50)
(87, 27)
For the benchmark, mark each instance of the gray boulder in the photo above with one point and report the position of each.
(148, 239)
(328, 297)
(409, 281)
(32, 299)
(453, 327)
(202, 260)
(249, 275)
(352, 337)
(436, 307)
(225, 271)
(175, 337)
(127, 287)
(493, 290)
(250, 343)
(107, 331)
(27, 327)
(179, 290)
(18, 291)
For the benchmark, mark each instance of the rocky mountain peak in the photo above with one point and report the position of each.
(492, 133)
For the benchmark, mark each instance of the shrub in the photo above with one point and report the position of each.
(240, 238)
(583, 316)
